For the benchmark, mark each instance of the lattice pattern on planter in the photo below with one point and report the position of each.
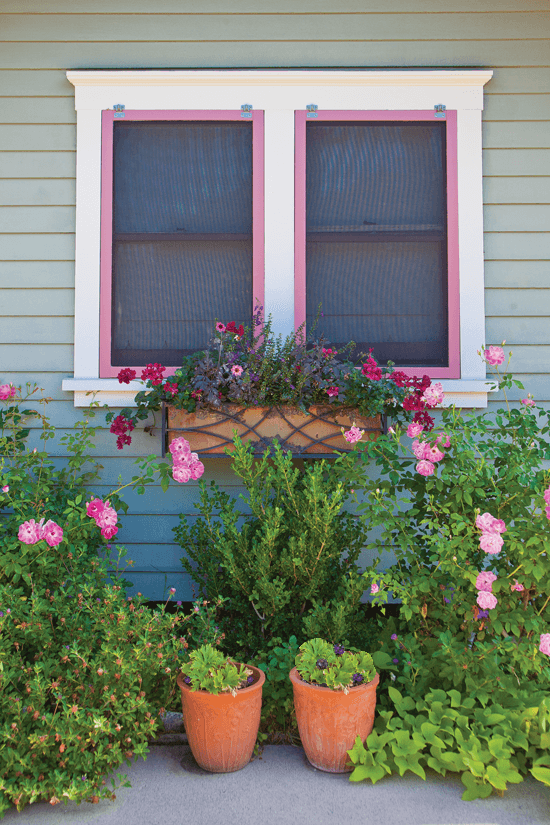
(318, 434)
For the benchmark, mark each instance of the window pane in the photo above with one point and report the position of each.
(182, 239)
(376, 232)
(161, 317)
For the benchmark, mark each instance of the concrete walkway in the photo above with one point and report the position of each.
(280, 788)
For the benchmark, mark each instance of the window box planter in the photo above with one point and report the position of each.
(318, 434)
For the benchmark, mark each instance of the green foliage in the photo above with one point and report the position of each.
(329, 665)
(278, 720)
(208, 669)
(490, 746)
(288, 567)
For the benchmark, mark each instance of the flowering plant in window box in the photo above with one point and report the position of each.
(249, 368)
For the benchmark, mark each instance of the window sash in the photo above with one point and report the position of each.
(452, 370)
(106, 368)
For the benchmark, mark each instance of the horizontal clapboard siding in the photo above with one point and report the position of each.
(44, 38)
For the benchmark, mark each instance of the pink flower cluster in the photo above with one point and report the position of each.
(494, 356)
(544, 645)
(31, 533)
(120, 427)
(490, 540)
(426, 454)
(333, 391)
(186, 465)
(484, 583)
(353, 435)
(105, 516)
(517, 586)
(7, 391)
(547, 502)
(153, 373)
(370, 369)
(433, 395)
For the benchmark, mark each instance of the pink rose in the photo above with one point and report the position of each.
(425, 468)
(7, 391)
(544, 646)
(486, 600)
(197, 469)
(354, 435)
(434, 453)
(528, 402)
(491, 542)
(94, 508)
(180, 447)
(494, 356)
(109, 531)
(445, 443)
(181, 473)
(107, 518)
(374, 588)
(414, 429)
(517, 586)
(489, 524)
(485, 581)
(237, 370)
(52, 533)
(29, 532)
(6, 488)
(433, 395)
(546, 496)
(420, 449)
(547, 511)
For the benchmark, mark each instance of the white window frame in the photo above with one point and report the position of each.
(279, 93)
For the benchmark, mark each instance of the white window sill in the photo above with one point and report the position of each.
(461, 391)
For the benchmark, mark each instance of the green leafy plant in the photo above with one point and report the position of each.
(490, 745)
(278, 720)
(208, 669)
(288, 566)
(321, 663)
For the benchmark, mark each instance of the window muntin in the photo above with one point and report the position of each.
(182, 234)
(377, 247)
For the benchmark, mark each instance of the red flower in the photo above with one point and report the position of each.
(231, 327)
(333, 391)
(126, 375)
(153, 373)
(171, 388)
(423, 417)
(413, 402)
(400, 379)
(371, 369)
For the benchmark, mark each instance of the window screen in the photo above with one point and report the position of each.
(182, 236)
(376, 244)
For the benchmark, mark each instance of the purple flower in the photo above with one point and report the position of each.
(249, 680)
(1, 614)
(395, 661)
(482, 614)
(339, 650)
(179, 603)
(321, 664)
(394, 636)
(187, 680)
(357, 678)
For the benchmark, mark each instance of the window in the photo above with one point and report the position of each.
(377, 246)
(373, 208)
(178, 249)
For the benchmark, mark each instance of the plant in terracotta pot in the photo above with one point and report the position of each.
(335, 699)
(221, 703)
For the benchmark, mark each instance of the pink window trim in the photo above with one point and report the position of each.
(453, 370)
(106, 370)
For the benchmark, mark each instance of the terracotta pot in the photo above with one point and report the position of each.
(222, 729)
(330, 720)
(319, 433)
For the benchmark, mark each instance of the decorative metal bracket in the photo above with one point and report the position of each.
(311, 110)
(119, 109)
(246, 110)
(439, 110)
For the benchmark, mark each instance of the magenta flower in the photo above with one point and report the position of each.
(528, 402)
(333, 391)
(544, 646)
(107, 518)
(433, 395)
(353, 435)
(29, 532)
(237, 370)
(414, 429)
(6, 488)
(126, 375)
(546, 496)
(220, 327)
(491, 542)
(443, 439)
(494, 356)
(517, 586)
(374, 588)
(94, 508)
(180, 449)
(434, 454)
(420, 449)
(181, 473)
(172, 590)
(109, 531)
(425, 468)
(486, 600)
(197, 469)
(485, 581)
(7, 391)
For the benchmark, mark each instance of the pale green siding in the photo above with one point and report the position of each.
(44, 38)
